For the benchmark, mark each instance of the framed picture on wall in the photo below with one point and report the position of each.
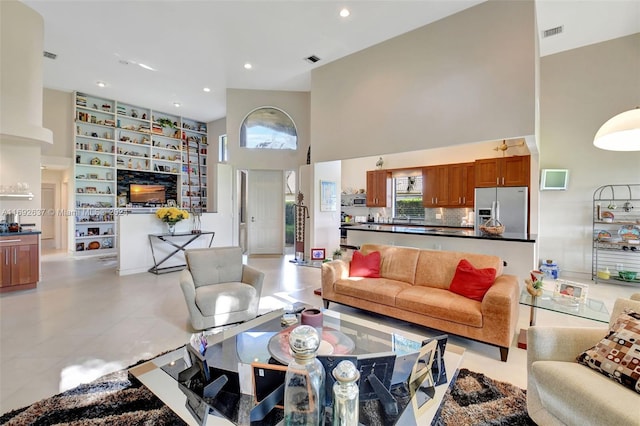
(317, 254)
(328, 196)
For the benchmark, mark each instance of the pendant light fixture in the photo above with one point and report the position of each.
(620, 133)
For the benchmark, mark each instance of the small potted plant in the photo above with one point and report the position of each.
(337, 254)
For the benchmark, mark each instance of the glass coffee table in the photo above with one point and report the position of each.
(232, 351)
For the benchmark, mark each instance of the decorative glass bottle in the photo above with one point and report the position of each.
(304, 380)
(345, 394)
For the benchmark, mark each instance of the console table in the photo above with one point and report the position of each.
(169, 239)
(592, 309)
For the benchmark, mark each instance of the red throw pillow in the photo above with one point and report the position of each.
(471, 282)
(365, 266)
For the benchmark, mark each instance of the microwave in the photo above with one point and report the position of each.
(359, 201)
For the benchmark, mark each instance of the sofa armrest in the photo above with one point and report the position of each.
(253, 277)
(560, 343)
(188, 286)
(500, 309)
(332, 272)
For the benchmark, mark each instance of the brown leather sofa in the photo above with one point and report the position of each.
(414, 287)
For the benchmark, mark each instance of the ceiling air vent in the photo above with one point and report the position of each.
(552, 31)
(312, 59)
(50, 55)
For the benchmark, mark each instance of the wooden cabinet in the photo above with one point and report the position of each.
(20, 262)
(461, 184)
(435, 192)
(506, 171)
(377, 188)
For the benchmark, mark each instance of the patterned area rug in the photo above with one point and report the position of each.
(117, 399)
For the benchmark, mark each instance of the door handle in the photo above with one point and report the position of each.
(503, 180)
(15, 255)
(497, 181)
(6, 257)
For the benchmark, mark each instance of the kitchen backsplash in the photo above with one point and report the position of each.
(447, 216)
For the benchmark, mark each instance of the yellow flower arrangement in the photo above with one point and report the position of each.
(171, 215)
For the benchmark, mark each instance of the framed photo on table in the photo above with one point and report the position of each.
(317, 254)
(570, 290)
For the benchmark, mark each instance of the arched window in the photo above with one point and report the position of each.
(268, 128)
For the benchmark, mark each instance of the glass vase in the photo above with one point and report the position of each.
(171, 228)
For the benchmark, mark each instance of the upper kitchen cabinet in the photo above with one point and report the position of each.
(435, 191)
(377, 188)
(506, 171)
(461, 184)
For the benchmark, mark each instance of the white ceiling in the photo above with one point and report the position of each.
(197, 44)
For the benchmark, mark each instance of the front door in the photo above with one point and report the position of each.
(265, 211)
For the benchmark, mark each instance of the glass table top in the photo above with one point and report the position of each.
(592, 309)
(231, 351)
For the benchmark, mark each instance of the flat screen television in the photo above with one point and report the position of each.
(147, 194)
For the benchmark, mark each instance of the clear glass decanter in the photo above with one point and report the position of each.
(346, 394)
(304, 381)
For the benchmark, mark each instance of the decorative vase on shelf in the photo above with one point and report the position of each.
(171, 227)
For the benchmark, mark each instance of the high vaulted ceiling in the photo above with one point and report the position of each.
(196, 44)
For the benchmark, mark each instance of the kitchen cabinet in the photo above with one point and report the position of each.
(377, 188)
(461, 184)
(616, 233)
(505, 171)
(435, 192)
(20, 262)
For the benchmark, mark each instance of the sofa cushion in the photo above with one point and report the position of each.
(214, 265)
(577, 395)
(442, 304)
(380, 290)
(471, 282)
(367, 266)
(224, 298)
(617, 355)
(396, 263)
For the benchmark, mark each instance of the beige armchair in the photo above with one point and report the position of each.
(562, 392)
(218, 288)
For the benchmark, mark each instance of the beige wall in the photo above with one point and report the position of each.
(467, 78)
(241, 102)
(580, 90)
(58, 106)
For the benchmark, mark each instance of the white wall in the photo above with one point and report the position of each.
(324, 231)
(580, 90)
(469, 77)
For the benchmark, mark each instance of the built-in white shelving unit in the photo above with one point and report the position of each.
(112, 137)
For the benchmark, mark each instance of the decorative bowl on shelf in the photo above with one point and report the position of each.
(627, 275)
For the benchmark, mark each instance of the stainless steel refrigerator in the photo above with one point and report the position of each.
(507, 204)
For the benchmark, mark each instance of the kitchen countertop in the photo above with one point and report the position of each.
(11, 234)
(438, 231)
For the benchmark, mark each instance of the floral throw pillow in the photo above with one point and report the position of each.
(617, 356)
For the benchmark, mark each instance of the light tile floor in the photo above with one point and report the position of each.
(83, 321)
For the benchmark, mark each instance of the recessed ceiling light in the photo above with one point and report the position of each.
(248, 66)
(345, 12)
(206, 89)
(176, 104)
(146, 67)
(101, 84)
